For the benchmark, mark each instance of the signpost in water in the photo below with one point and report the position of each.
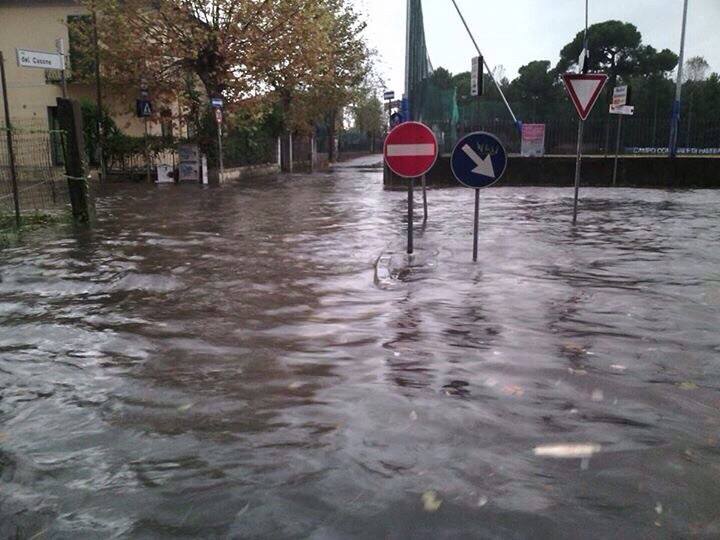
(478, 161)
(410, 152)
(584, 90)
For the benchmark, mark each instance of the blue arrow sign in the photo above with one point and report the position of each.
(479, 160)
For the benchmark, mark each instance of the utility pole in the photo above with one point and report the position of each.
(100, 129)
(60, 47)
(11, 151)
(581, 122)
(675, 119)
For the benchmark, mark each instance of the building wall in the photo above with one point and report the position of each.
(36, 26)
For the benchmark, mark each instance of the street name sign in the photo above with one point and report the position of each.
(389, 95)
(217, 103)
(410, 149)
(479, 160)
(39, 59)
(584, 90)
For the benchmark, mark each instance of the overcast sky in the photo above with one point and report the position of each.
(515, 32)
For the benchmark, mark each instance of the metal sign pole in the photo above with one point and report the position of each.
(100, 123)
(617, 149)
(220, 150)
(11, 151)
(410, 217)
(147, 150)
(60, 48)
(477, 225)
(424, 187)
(578, 162)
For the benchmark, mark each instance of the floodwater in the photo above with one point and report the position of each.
(230, 363)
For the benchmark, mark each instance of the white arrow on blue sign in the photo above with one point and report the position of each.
(479, 160)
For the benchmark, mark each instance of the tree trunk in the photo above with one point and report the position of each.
(332, 120)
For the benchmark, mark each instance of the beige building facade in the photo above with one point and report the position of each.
(32, 92)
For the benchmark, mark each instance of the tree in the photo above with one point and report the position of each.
(368, 114)
(536, 85)
(613, 47)
(696, 68)
(653, 67)
(307, 55)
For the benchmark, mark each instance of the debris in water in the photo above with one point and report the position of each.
(570, 450)
(295, 385)
(618, 367)
(513, 390)
(597, 395)
(482, 502)
(659, 508)
(573, 348)
(186, 407)
(431, 502)
(413, 416)
(577, 371)
(688, 385)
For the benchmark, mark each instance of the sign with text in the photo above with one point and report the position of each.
(39, 60)
(389, 95)
(625, 110)
(620, 96)
(533, 140)
(189, 167)
(476, 77)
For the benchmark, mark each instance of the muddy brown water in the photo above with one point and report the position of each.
(228, 363)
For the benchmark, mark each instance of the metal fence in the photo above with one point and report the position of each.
(40, 175)
(638, 135)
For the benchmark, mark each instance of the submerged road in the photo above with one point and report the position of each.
(230, 363)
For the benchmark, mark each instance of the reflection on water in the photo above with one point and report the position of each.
(229, 363)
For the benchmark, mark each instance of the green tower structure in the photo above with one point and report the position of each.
(427, 102)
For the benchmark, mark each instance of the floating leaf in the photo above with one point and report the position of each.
(688, 385)
(659, 508)
(413, 416)
(431, 501)
(186, 407)
(482, 502)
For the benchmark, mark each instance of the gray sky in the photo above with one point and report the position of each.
(514, 32)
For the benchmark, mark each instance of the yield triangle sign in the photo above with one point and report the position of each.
(584, 90)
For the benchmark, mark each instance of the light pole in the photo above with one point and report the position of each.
(675, 119)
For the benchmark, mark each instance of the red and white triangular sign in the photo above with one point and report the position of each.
(584, 90)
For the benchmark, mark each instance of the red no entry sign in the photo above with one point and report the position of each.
(410, 149)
